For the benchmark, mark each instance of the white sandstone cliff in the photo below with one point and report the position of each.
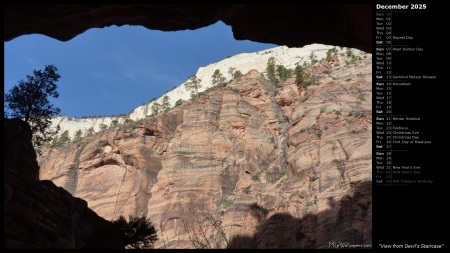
(288, 57)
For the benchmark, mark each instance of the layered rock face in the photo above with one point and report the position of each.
(282, 166)
(38, 214)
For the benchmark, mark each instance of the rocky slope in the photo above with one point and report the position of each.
(284, 166)
(288, 57)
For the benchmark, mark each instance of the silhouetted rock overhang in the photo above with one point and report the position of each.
(296, 25)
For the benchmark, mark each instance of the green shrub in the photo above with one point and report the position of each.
(313, 58)
(226, 202)
(283, 203)
(331, 52)
(294, 193)
(256, 176)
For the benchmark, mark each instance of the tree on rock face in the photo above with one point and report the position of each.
(237, 74)
(299, 74)
(155, 108)
(283, 73)
(218, 78)
(277, 73)
(29, 101)
(89, 132)
(114, 123)
(64, 138)
(193, 85)
(165, 103)
(271, 70)
(78, 136)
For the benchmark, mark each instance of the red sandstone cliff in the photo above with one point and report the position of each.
(300, 156)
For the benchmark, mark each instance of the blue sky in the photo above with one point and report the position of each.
(113, 70)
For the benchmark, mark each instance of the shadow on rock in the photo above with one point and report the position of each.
(346, 224)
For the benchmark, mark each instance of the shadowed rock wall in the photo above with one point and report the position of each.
(38, 214)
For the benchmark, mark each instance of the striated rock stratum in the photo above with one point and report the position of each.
(279, 166)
